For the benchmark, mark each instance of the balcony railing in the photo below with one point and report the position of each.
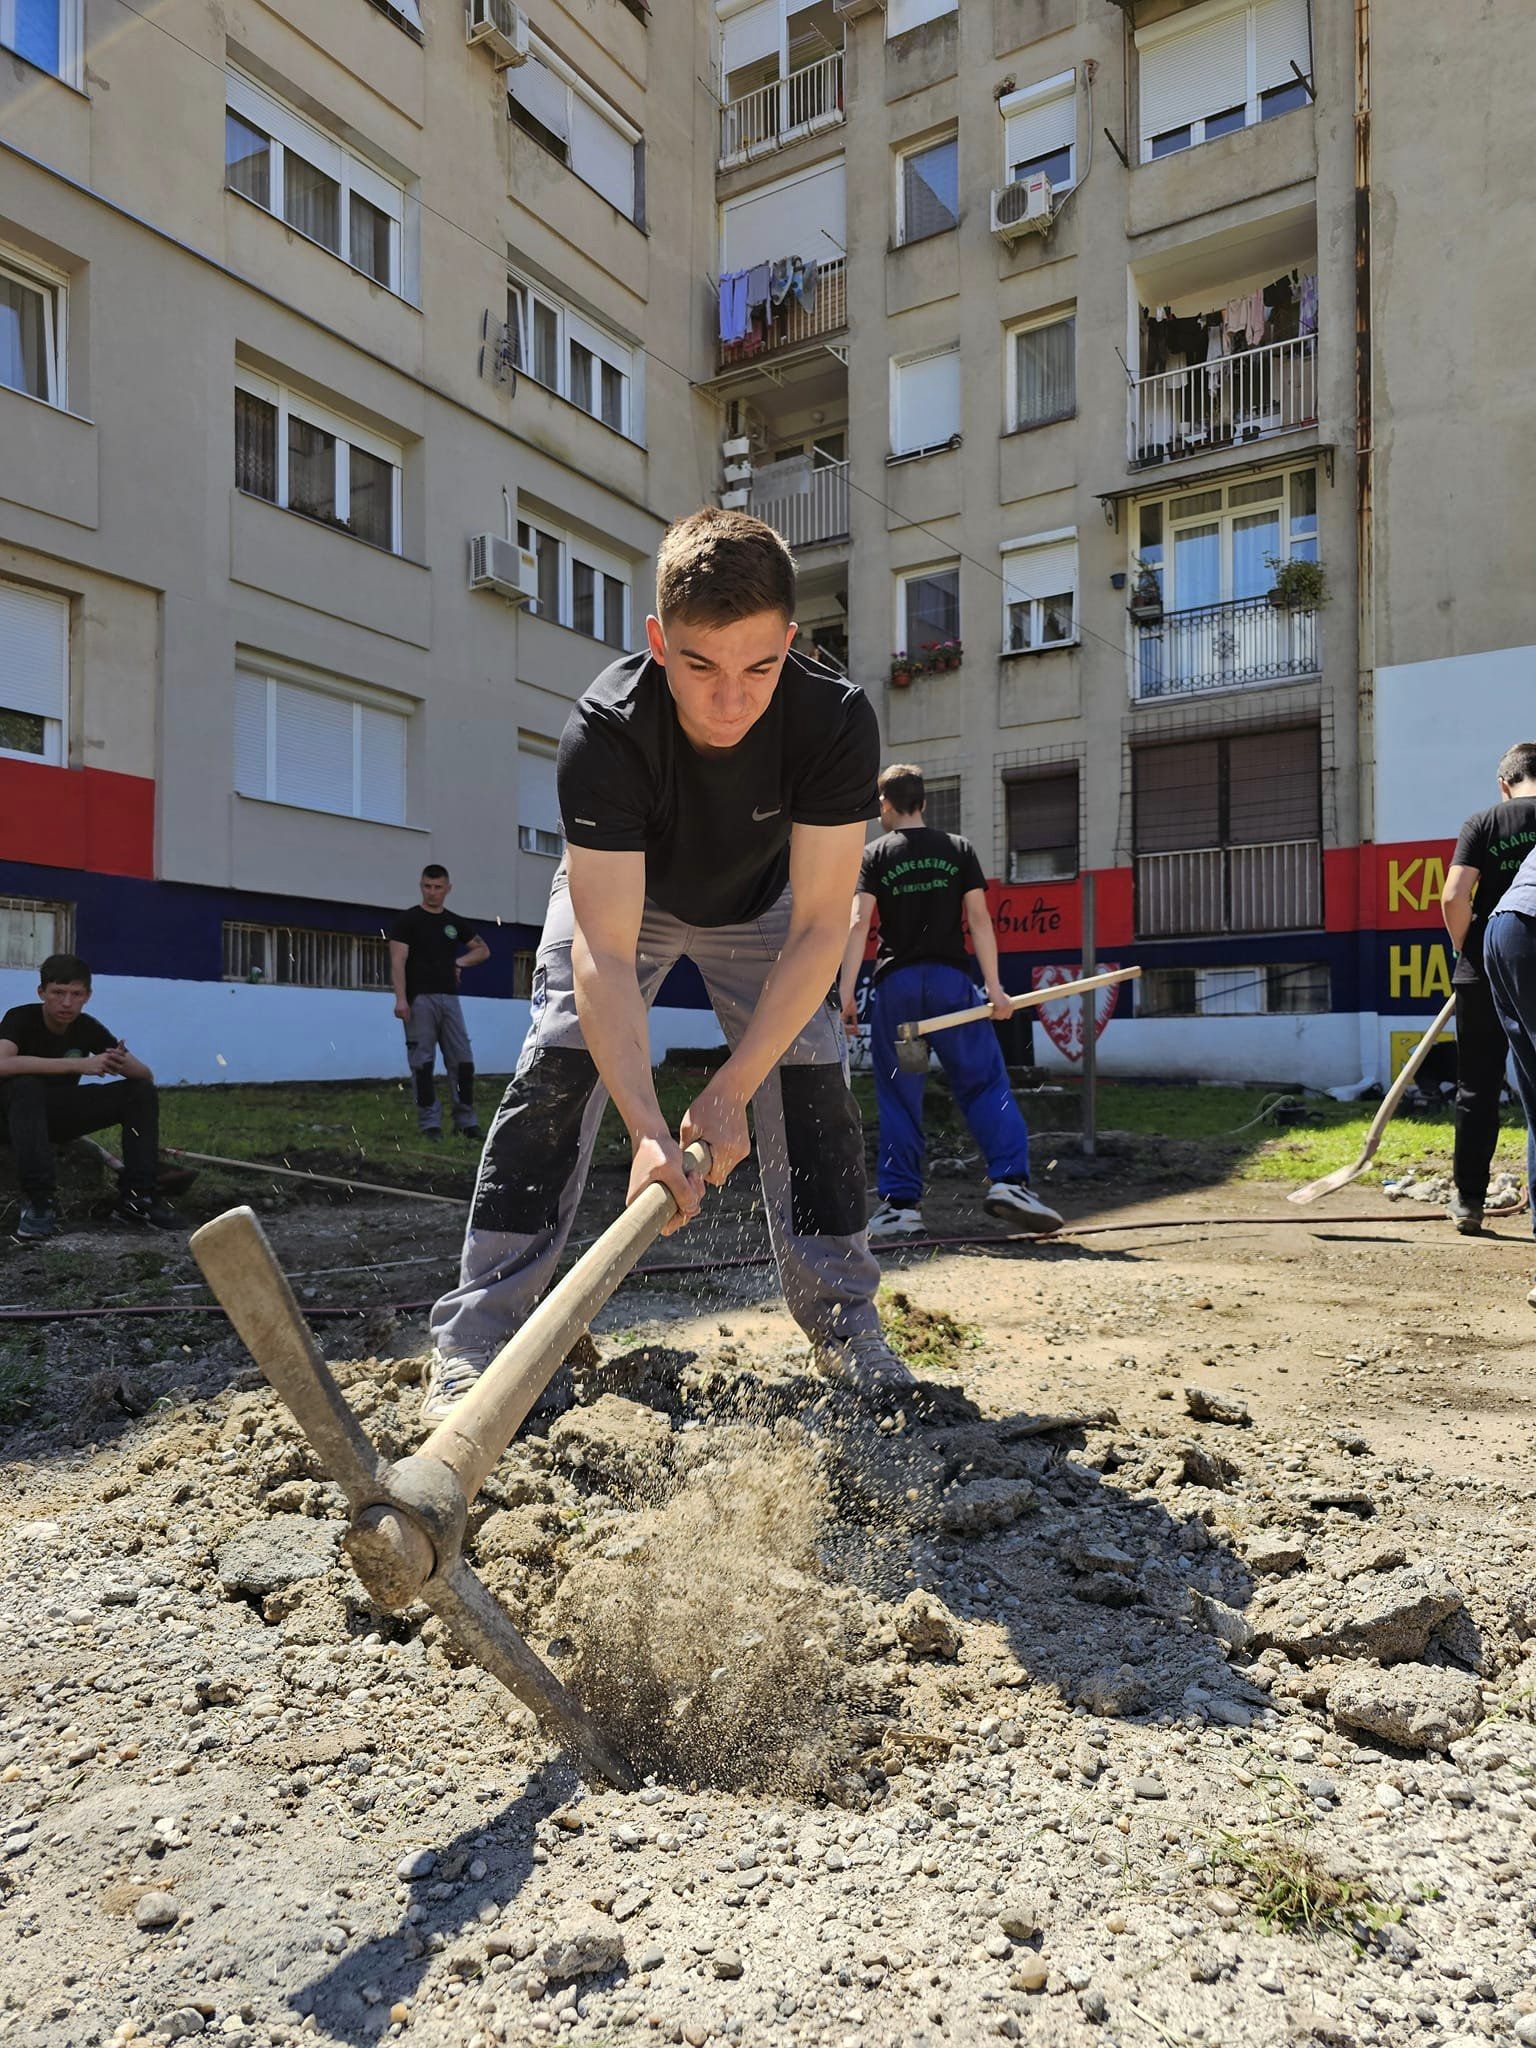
(1277, 887)
(802, 104)
(1224, 647)
(793, 325)
(818, 513)
(1224, 403)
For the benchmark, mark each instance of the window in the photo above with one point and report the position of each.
(319, 749)
(1040, 592)
(279, 160)
(294, 453)
(928, 609)
(46, 33)
(524, 960)
(1218, 546)
(942, 807)
(573, 356)
(1214, 69)
(928, 190)
(34, 672)
(30, 930)
(567, 117)
(1267, 988)
(904, 14)
(580, 586)
(1042, 372)
(295, 957)
(1042, 825)
(538, 803)
(925, 402)
(1040, 131)
(32, 331)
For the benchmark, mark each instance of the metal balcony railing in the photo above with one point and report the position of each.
(1223, 647)
(794, 325)
(1224, 403)
(1276, 887)
(818, 513)
(802, 103)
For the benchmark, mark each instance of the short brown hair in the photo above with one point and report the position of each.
(902, 787)
(1519, 764)
(715, 567)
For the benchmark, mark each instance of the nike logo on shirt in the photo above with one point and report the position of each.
(758, 816)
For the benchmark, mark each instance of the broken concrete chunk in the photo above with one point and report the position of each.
(586, 1947)
(985, 1504)
(1206, 1405)
(1203, 1467)
(1414, 1706)
(622, 1446)
(1389, 1615)
(1272, 1554)
(277, 1551)
(926, 1628)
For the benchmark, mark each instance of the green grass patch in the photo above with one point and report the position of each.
(1289, 1888)
(929, 1339)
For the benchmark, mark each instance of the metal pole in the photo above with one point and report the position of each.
(1090, 1003)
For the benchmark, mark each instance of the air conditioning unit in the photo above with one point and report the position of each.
(1023, 208)
(855, 10)
(499, 564)
(501, 27)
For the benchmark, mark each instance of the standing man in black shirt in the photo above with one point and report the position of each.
(1492, 845)
(46, 1049)
(425, 963)
(922, 881)
(714, 792)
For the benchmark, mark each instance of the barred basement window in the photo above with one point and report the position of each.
(31, 929)
(942, 807)
(522, 975)
(1274, 988)
(295, 957)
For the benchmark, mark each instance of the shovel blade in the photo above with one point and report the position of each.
(912, 1055)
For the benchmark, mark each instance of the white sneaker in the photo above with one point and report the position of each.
(448, 1381)
(1022, 1207)
(865, 1365)
(890, 1220)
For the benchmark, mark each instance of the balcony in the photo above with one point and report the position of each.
(1223, 647)
(795, 326)
(810, 517)
(1277, 887)
(1224, 403)
(802, 103)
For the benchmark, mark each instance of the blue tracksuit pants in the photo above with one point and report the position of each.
(1509, 961)
(973, 1063)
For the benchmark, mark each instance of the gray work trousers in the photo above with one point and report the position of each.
(438, 1021)
(810, 1141)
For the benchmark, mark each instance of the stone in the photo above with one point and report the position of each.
(1525, 2030)
(926, 1628)
(277, 1551)
(1415, 1706)
(416, 1865)
(1390, 1616)
(1272, 1555)
(586, 1947)
(155, 1910)
(1207, 1405)
(1031, 1974)
(1149, 1788)
(1021, 1915)
(622, 1445)
(725, 1962)
(182, 2024)
(1115, 1693)
(1204, 1467)
(985, 1504)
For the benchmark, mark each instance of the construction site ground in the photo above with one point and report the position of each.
(1166, 1673)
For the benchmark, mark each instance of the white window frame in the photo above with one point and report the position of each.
(600, 560)
(1224, 517)
(52, 287)
(917, 575)
(274, 677)
(902, 15)
(71, 40)
(534, 838)
(571, 326)
(1022, 591)
(347, 434)
(36, 908)
(55, 717)
(1011, 334)
(900, 363)
(287, 128)
(1191, 23)
(576, 87)
(922, 149)
(1028, 99)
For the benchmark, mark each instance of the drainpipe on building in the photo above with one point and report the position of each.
(1365, 514)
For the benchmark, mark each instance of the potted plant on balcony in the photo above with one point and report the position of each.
(1299, 586)
(942, 654)
(1146, 605)
(903, 669)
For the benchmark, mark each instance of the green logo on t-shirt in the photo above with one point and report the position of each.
(450, 931)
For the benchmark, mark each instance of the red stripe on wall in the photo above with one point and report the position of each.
(77, 818)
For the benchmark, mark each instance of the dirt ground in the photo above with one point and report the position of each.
(1167, 1674)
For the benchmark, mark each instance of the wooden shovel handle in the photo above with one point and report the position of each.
(471, 1440)
(1024, 1002)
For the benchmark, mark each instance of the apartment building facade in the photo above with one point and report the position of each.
(1134, 385)
(297, 302)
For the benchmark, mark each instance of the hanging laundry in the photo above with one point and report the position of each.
(803, 283)
(733, 308)
(757, 286)
(1309, 303)
(778, 283)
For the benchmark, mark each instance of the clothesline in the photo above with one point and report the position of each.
(749, 299)
(1280, 311)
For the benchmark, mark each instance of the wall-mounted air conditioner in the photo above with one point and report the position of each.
(499, 564)
(1023, 208)
(501, 27)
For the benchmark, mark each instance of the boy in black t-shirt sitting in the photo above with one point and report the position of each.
(46, 1049)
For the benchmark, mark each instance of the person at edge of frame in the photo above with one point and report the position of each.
(1509, 957)
(425, 963)
(1492, 844)
(714, 789)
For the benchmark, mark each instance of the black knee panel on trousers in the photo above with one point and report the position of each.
(426, 1086)
(532, 1149)
(824, 1137)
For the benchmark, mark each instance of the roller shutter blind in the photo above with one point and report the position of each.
(34, 652)
(1045, 571)
(1050, 124)
(602, 157)
(1197, 72)
(750, 37)
(927, 402)
(540, 92)
(1280, 34)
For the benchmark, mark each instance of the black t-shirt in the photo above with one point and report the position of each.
(919, 878)
(436, 939)
(28, 1032)
(1494, 842)
(714, 829)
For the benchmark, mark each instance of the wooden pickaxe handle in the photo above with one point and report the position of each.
(925, 1025)
(471, 1440)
